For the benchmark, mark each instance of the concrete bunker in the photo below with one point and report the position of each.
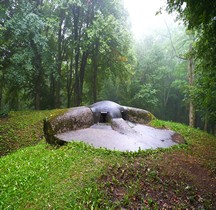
(110, 125)
(105, 111)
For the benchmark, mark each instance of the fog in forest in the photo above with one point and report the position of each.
(58, 54)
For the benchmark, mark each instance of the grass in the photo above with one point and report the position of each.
(21, 129)
(42, 177)
(35, 175)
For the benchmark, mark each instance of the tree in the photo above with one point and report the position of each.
(160, 80)
(24, 27)
(187, 40)
(201, 18)
(109, 52)
(52, 48)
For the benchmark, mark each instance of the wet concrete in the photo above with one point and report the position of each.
(121, 135)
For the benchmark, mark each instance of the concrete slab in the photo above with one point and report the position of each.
(137, 137)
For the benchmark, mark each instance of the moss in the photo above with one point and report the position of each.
(70, 119)
(53, 115)
(139, 116)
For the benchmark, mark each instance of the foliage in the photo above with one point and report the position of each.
(194, 15)
(49, 50)
(201, 18)
(68, 53)
(160, 78)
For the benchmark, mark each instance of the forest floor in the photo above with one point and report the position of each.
(35, 175)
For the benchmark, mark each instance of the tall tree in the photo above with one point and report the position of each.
(160, 80)
(25, 28)
(187, 40)
(200, 16)
(51, 48)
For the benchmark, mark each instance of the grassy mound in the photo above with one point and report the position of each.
(176, 178)
(77, 176)
(22, 129)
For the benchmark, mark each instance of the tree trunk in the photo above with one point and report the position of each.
(37, 97)
(191, 115)
(69, 82)
(82, 74)
(95, 69)
(52, 91)
(59, 63)
(206, 123)
(38, 85)
(191, 80)
(14, 99)
(76, 14)
(77, 85)
(95, 83)
(166, 94)
(37, 61)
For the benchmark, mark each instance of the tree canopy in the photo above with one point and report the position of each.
(49, 48)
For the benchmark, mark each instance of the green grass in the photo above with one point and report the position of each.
(42, 177)
(35, 175)
(21, 129)
(199, 144)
